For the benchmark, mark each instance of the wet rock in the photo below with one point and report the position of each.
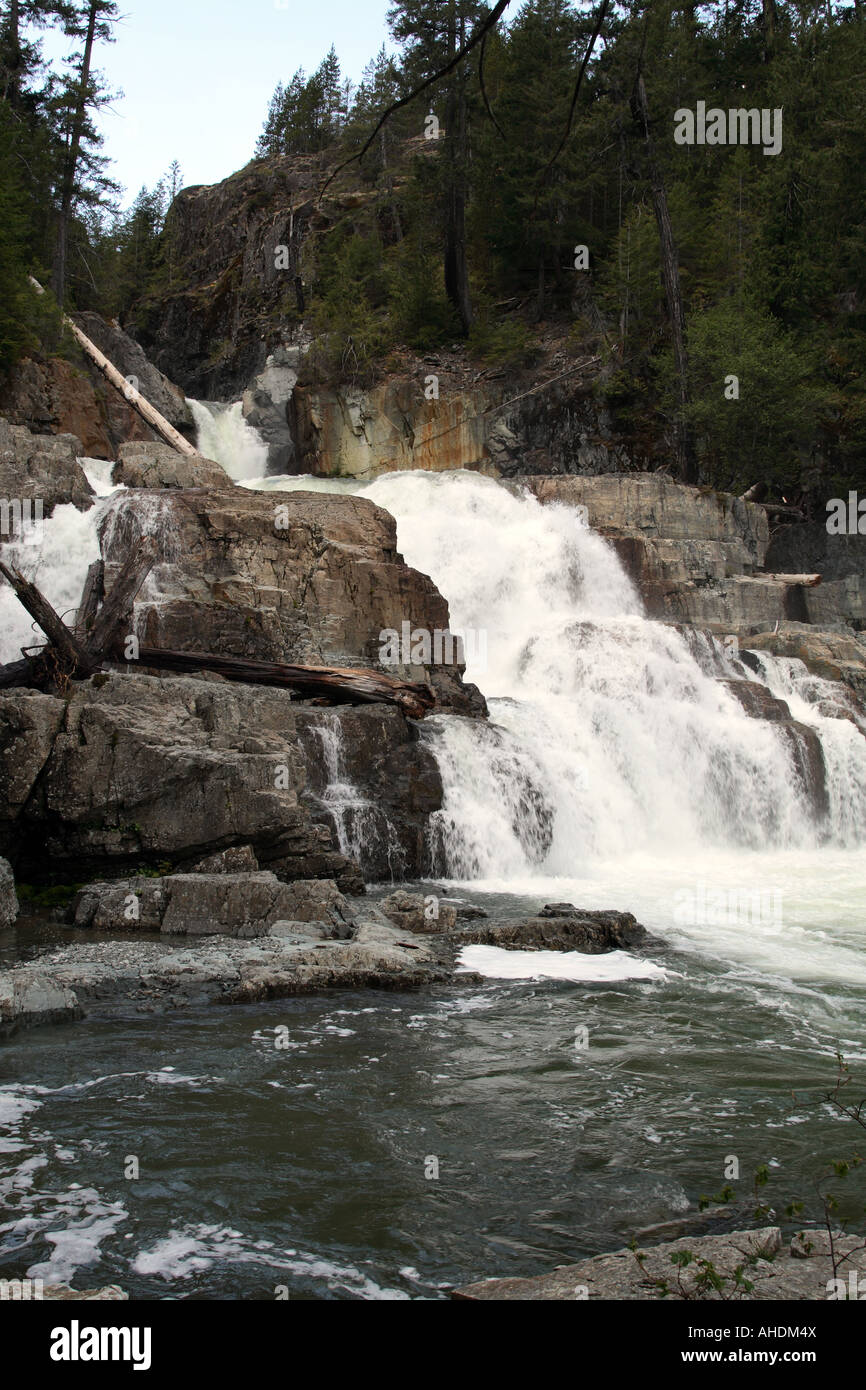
(415, 913)
(145, 465)
(29, 998)
(834, 655)
(8, 897)
(267, 404)
(134, 770)
(108, 975)
(63, 1293)
(801, 1273)
(557, 910)
(594, 933)
(467, 912)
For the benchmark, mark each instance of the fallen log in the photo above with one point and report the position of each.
(343, 684)
(65, 658)
(94, 593)
(806, 581)
(43, 614)
(130, 394)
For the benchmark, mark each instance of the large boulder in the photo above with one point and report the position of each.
(296, 577)
(144, 465)
(415, 913)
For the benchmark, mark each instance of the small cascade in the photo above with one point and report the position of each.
(839, 723)
(363, 829)
(225, 436)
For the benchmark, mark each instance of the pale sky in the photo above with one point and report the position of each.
(197, 76)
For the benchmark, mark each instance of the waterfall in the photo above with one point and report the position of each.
(225, 436)
(608, 733)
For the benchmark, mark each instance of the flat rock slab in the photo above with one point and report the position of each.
(801, 1270)
(154, 976)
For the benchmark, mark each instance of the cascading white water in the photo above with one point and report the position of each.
(606, 735)
(225, 436)
(56, 560)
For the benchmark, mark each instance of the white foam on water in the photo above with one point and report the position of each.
(498, 964)
(195, 1249)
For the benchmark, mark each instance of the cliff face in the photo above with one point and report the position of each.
(234, 323)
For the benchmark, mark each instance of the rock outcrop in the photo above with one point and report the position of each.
(841, 562)
(133, 770)
(803, 1270)
(591, 932)
(237, 905)
(413, 912)
(42, 468)
(224, 970)
(128, 357)
(59, 396)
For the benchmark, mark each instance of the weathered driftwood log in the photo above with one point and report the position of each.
(40, 610)
(344, 684)
(135, 569)
(138, 402)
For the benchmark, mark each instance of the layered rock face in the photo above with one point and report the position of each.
(841, 562)
(132, 771)
(704, 560)
(694, 554)
(479, 420)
